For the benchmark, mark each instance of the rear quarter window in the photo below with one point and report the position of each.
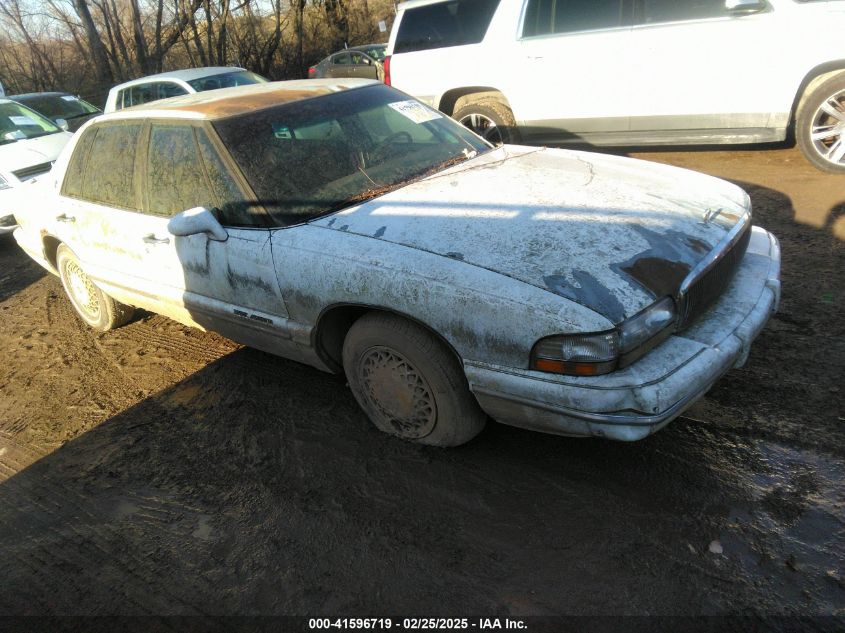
(75, 173)
(444, 24)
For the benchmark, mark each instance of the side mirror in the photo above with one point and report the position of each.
(195, 221)
(744, 7)
(62, 123)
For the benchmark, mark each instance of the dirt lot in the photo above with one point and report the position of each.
(161, 470)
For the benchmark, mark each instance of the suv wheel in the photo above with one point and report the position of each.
(820, 125)
(490, 119)
(408, 383)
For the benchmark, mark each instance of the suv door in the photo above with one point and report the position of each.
(571, 67)
(698, 66)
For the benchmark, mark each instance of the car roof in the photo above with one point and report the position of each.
(185, 74)
(364, 47)
(35, 95)
(226, 102)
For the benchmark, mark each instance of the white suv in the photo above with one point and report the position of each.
(631, 72)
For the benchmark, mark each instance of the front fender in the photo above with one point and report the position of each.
(483, 315)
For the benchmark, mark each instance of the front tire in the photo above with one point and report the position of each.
(409, 383)
(820, 125)
(93, 305)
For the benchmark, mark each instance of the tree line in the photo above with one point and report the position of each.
(86, 46)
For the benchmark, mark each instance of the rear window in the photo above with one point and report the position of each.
(226, 80)
(444, 24)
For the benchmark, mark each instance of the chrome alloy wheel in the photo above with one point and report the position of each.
(83, 290)
(398, 392)
(484, 126)
(827, 131)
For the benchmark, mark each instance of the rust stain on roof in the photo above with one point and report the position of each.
(229, 105)
(224, 105)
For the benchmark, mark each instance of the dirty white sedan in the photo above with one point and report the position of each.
(346, 226)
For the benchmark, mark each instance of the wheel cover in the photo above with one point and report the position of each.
(484, 126)
(398, 392)
(827, 131)
(82, 290)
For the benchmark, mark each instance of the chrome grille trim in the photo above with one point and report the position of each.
(713, 273)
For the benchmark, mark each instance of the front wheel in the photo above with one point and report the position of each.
(820, 125)
(93, 305)
(408, 383)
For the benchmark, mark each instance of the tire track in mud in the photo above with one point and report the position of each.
(45, 508)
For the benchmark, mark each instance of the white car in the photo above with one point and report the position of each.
(630, 72)
(176, 83)
(342, 224)
(29, 144)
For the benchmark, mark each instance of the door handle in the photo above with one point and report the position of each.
(64, 217)
(152, 239)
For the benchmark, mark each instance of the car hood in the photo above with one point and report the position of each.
(610, 233)
(29, 152)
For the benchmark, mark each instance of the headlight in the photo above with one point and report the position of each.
(4, 184)
(603, 352)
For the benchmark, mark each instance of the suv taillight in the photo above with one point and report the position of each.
(386, 64)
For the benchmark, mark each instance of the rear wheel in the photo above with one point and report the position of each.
(820, 125)
(93, 305)
(408, 383)
(490, 119)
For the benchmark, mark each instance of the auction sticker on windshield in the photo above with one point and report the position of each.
(415, 111)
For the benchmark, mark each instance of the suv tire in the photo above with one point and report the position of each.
(93, 305)
(490, 119)
(409, 383)
(823, 110)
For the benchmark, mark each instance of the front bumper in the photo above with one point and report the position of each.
(635, 402)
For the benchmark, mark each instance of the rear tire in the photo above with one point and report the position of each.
(93, 305)
(489, 118)
(409, 383)
(820, 125)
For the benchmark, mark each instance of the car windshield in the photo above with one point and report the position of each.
(312, 157)
(18, 123)
(60, 106)
(227, 80)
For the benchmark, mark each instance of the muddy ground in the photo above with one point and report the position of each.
(161, 470)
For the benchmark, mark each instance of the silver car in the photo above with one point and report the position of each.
(345, 225)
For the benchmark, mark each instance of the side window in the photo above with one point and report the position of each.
(168, 89)
(232, 209)
(139, 94)
(343, 58)
(656, 11)
(547, 17)
(455, 23)
(75, 174)
(357, 58)
(110, 168)
(175, 179)
(122, 100)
